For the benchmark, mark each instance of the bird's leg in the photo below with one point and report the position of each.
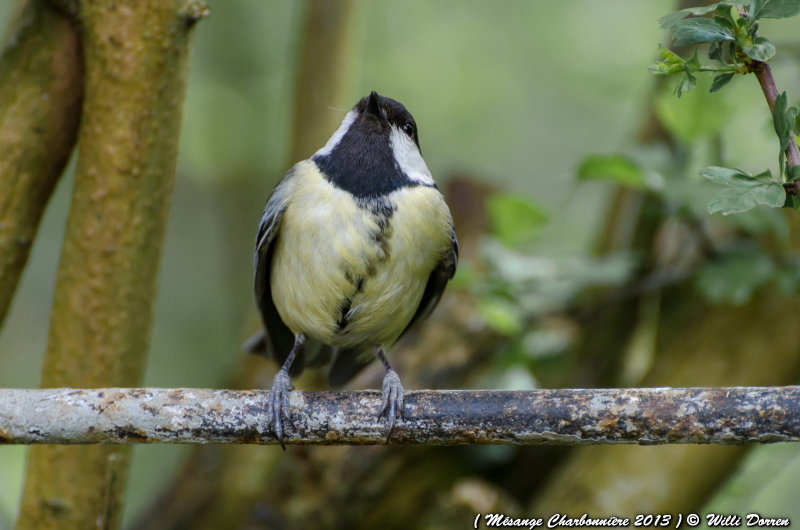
(278, 406)
(393, 405)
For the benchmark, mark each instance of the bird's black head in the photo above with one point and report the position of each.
(375, 151)
(381, 114)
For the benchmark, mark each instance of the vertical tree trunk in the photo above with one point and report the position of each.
(325, 78)
(136, 54)
(40, 105)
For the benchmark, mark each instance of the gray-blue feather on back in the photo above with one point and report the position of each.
(279, 339)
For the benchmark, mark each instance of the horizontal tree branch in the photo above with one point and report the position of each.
(646, 416)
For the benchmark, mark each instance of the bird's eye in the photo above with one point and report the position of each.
(408, 129)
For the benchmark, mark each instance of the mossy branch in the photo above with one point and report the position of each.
(136, 52)
(40, 103)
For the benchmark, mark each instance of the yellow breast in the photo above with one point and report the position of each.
(351, 272)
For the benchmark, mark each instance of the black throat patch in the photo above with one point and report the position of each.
(362, 163)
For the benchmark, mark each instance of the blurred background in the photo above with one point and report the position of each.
(588, 258)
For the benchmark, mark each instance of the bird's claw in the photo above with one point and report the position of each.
(393, 404)
(278, 406)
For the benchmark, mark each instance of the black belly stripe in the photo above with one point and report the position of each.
(344, 309)
(382, 211)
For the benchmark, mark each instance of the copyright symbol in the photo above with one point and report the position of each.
(692, 519)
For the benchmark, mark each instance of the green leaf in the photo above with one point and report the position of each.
(715, 51)
(724, 22)
(693, 64)
(698, 30)
(672, 63)
(779, 120)
(784, 121)
(747, 191)
(734, 278)
(720, 81)
(617, 168)
(788, 275)
(515, 220)
(774, 9)
(501, 315)
(669, 20)
(731, 201)
(793, 174)
(762, 50)
(686, 84)
(729, 177)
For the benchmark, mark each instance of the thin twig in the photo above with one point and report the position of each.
(645, 416)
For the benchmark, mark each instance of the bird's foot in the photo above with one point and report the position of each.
(278, 407)
(393, 405)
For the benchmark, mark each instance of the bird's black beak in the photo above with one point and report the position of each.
(374, 105)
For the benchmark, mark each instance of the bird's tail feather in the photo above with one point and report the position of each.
(347, 363)
(317, 354)
(256, 344)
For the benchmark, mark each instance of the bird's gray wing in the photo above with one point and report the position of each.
(278, 338)
(349, 361)
(437, 281)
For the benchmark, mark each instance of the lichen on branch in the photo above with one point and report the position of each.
(645, 416)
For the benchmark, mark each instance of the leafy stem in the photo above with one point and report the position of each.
(712, 68)
(763, 72)
(731, 31)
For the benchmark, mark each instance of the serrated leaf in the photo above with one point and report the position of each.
(617, 168)
(670, 19)
(737, 200)
(735, 178)
(774, 9)
(720, 81)
(724, 22)
(699, 30)
(672, 63)
(733, 49)
(686, 84)
(783, 119)
(746, 191)
(770, 194)
(693, 64)
(731, 201)
(762, 50)
(715, 51)
(516, 220)
(734, 278)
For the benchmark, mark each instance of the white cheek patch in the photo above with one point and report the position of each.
(334, 140)
(409, 158)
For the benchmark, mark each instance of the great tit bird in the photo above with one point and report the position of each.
(355, 246)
